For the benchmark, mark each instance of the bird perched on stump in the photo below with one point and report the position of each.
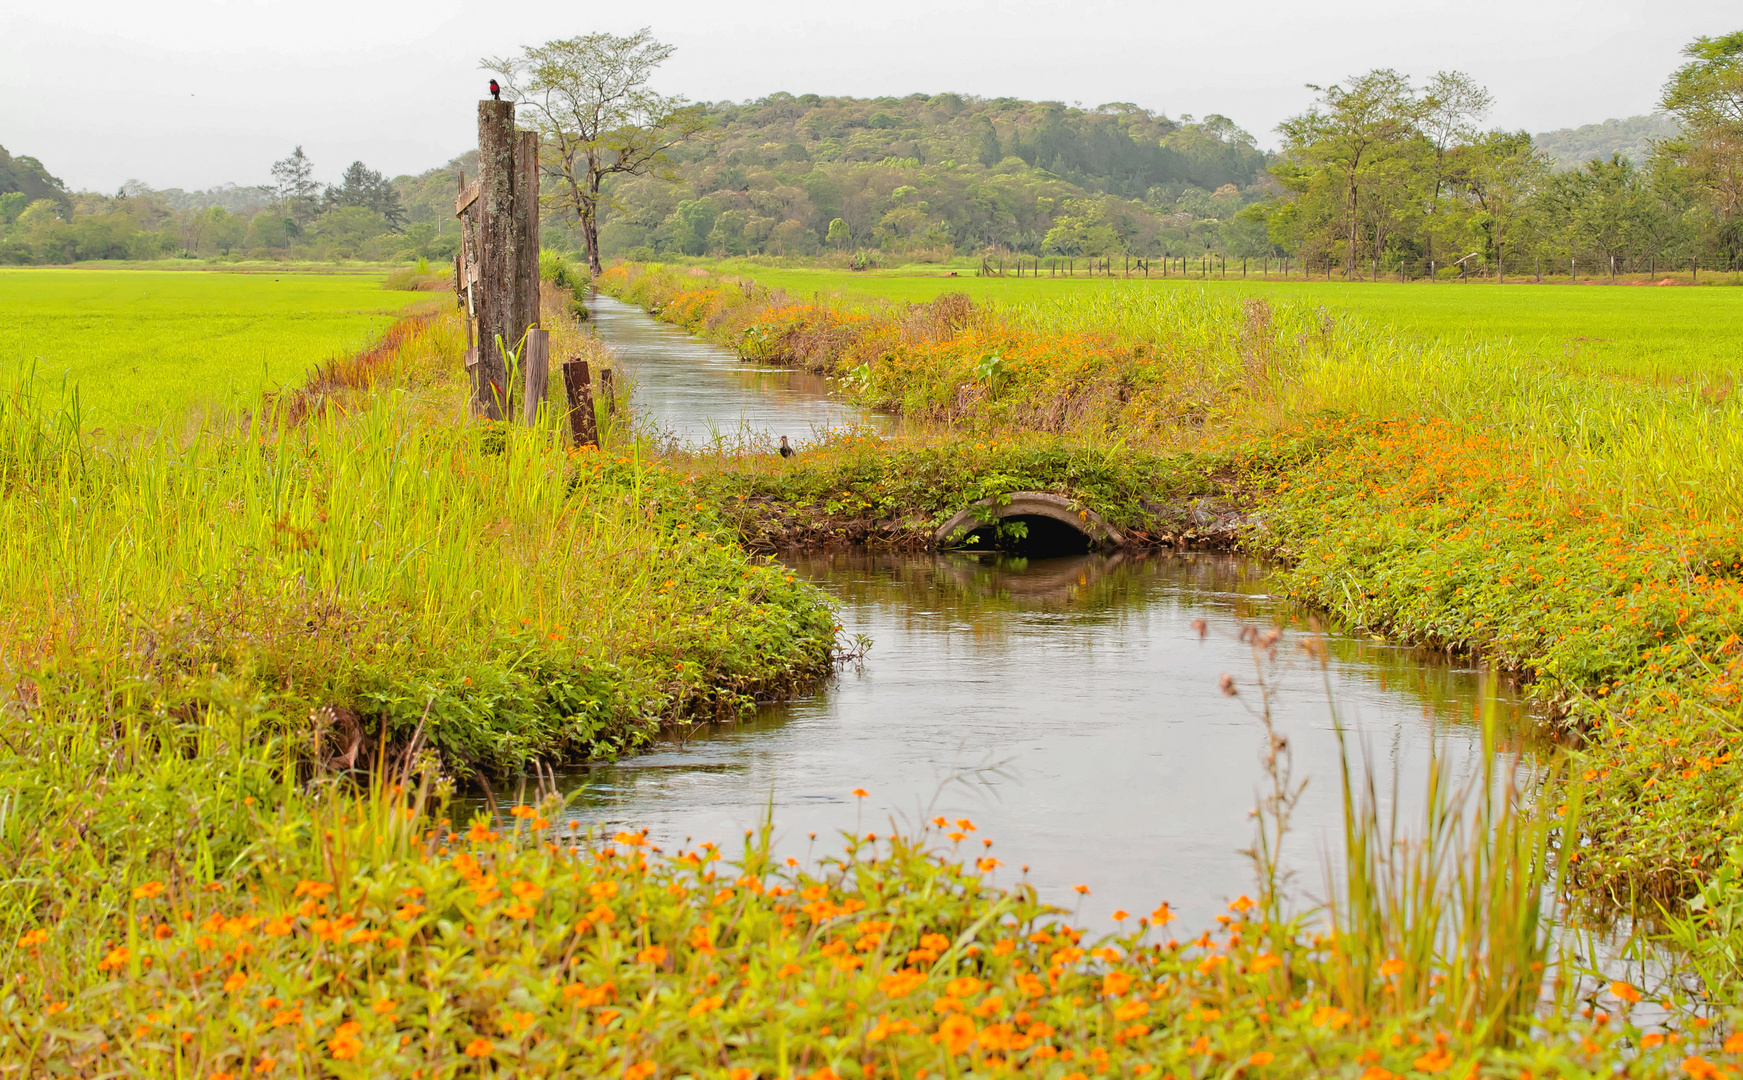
(495, 91)
(786, 451)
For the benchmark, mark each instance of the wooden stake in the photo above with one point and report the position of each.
(536, 359)
(583, 425)
(608, 391)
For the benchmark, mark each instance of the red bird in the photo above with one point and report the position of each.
(495, 91)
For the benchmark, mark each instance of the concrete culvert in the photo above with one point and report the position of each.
(1046, 525)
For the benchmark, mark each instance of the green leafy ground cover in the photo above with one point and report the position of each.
(142, 346)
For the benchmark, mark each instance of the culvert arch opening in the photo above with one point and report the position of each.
(1032, 523)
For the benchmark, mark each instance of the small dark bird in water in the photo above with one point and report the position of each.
(495, 91)
(786, 451)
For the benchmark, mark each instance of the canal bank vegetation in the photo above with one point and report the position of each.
(1576, 527)
(368, 935)
(246, 667)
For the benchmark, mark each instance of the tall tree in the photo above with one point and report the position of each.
(363, 186)
(1348, 135)
(1706, 95)
(589, 99)
(294, 191)
(1452, 103)
(1502, 171)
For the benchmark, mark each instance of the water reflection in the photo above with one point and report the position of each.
(698, 393)
(1071, 709)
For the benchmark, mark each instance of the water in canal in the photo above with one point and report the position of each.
(1069, 707)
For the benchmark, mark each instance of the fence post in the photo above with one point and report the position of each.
(526, 231)
(608, 391)
(583, 425)
(536, 360)
(495, 233)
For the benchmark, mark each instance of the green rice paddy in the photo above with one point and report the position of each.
(1633, 332)
(140, 346)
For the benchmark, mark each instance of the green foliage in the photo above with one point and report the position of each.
(931, 174)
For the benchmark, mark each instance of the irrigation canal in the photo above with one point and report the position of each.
(1069, 707)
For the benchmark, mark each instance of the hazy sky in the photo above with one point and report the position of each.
(190, 93)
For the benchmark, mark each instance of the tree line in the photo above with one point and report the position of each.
(293, 217)
(1384, 176)
(1378, 175)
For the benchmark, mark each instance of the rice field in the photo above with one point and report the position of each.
(1648, 333)
(140, 346)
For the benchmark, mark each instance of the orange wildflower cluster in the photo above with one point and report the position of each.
(616, 958)
(1628, 625)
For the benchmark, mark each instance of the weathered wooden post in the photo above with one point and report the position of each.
(608, 391)
(535, 360)
(583, 425)
(499, 258)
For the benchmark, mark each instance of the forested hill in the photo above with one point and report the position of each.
(1570, 148)
(929, 172)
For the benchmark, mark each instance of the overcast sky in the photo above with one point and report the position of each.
(191, 93)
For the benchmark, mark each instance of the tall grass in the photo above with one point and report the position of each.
(380, 561)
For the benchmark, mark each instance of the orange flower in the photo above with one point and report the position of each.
(860, 793)
(235, 982)
(344, 1047)
(966, 986)
(148, 890)
(653, 954)
(1436, 1060)
(479, 1048)
(1115, 983)
(1625, 992)
(1162, 916)
(1082, 889)
(1262, 1057)
(703, 1005)
(1699, 1068)
(33, 938)
(1392, 967)
(956, 1032)
(384, 1006)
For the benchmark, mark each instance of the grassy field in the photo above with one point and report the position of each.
(1652, 333)
(142, 345)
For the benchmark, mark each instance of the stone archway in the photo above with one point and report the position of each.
(1030, 505)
